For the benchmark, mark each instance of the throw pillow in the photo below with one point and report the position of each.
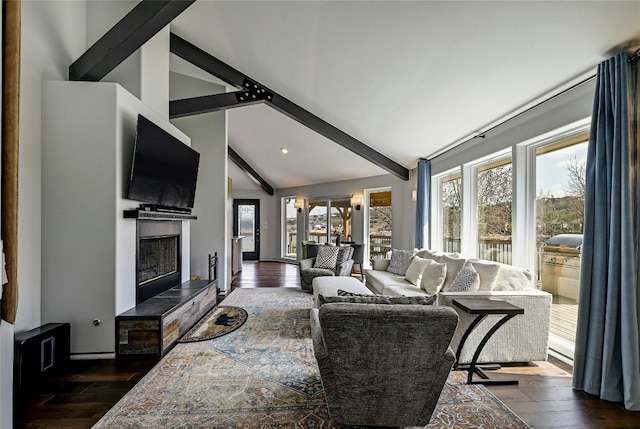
(415, 270)
(514, 278)
(433, 277)
(467, 280)
(454, 265)
(380, 264)
(488, 273)
(400, 260)
(427, 254)
(327, 257)
(343, 254)
(378, 299)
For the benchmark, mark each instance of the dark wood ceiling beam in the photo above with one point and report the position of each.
(206, 104)
(219, 69)
(251, 94)
(143, 22)
(205, 61)
(253, 174)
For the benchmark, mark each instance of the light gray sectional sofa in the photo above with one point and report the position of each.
(522, 339)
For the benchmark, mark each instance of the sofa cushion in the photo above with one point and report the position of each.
(405, 289)
(415, 270)
(379, 299)
(327, 257)
(433, 277)
(377, 281)
(400, 261)
(487, 271)
(454, 265)
(467, 280)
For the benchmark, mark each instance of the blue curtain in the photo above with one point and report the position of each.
(422, 203)
(607, 356)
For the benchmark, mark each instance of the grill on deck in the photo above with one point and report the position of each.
(560, 257)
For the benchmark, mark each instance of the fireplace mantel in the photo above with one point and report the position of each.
(151, 215)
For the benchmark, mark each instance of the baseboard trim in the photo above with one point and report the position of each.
(92, 356)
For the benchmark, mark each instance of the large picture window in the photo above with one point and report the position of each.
(560, 192)
(493, 210)
(523, 206)
(451, 212)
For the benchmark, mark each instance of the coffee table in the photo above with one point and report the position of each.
(482, 308)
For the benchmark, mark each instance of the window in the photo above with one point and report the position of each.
(560, 192)
(341, 219)
(290, 227)
(451, 212)
(318, 221)
(379, 222)
(493, 209)
(329, 218)
(528, 197)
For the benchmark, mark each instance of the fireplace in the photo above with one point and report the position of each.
(158, 259)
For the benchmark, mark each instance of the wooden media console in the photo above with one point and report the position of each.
(154, 326)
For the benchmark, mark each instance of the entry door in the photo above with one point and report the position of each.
(246, 223)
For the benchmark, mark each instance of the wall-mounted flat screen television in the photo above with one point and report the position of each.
(164, 170)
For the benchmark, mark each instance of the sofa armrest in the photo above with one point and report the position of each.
(524, 338)
(305, 264)
(319, 348)
(344, 269)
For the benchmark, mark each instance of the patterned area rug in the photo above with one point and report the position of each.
(264, 375)
(220, 321)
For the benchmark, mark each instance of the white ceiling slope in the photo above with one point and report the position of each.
(406, 78)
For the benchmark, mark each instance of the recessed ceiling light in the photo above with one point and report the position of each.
(284, 150)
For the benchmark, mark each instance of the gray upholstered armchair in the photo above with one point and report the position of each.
(309, 270)
(382, 364)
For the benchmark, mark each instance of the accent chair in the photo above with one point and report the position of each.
(383, 364)
(311, 268)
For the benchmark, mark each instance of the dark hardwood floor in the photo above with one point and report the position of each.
(543, 398)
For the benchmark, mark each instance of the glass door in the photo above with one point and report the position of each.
(560, 195)
(246, 224)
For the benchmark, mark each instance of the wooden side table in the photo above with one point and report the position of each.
(482, 308)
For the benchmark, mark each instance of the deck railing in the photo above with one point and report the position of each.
(489, 249)
(379, 246)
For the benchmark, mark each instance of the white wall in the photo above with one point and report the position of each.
(53, 36)
(556, 113)
(209, 233)
(88, 248)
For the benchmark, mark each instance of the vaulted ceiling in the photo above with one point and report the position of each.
(409, 79)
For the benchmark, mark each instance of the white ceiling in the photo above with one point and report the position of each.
(406, 78)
